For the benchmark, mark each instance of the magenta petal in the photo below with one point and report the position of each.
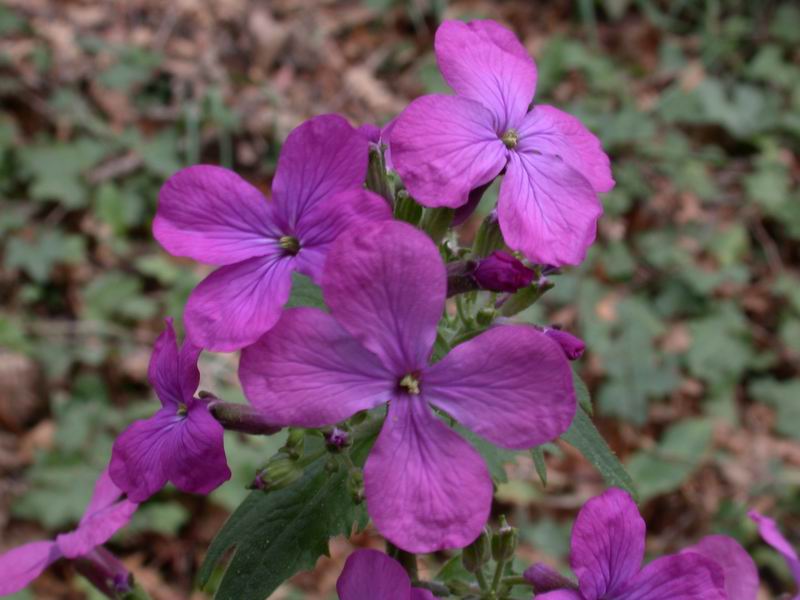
(319, 227)
(421, 594)
(173, 373)
(214, 216)
(237, 304)
(137, 457)
(769, 532)
(484, 61)
(427, 489)
(547, 130)
(607, 544)
(679, 576)
(323, 156)
(741, 575)
(106, 493)
(561, 595)
(547, 210)
(385, 284)
(443, 147)
(20, 566)
(96, 529)
(309, 372)
(511, 385)
(196, 461)
(185, 449)
(372, 575)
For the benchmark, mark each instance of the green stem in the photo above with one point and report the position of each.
(481, 580)
(516, 580)
(498, 574)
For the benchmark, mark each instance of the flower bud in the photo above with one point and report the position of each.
(477, 553)
(406, 208)
(501, 272)
(279, 473)
(489, 237)
(356, 485)
(336, 439)
(572, 346)
(504, 541)
(105, 572)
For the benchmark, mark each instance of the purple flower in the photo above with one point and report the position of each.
(501, 272)
(769, 532)
(608, 541)
(445, 146)
(378, 136)
(572, 346)
(372, 575)
(105, 515)
(426, 487)
(212, 215)
(182, 442)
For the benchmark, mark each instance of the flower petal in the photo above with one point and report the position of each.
(20, 566)
(485, 62)
(385, 284)
(106, 493)
(323, 156)
(319, 227)
(427, 489)
(511, 385)
(196, 463)
(137, 457)
(741, 575)
(97, 529)
(443, 147)
(547, 130)
(769, 532)
(685, 576)
(561, 595)
(214, 216)
(309, 372)
(547, 210)
(237, 304)
(369, 575)
(421, 594)
(607, 544)
(173, 373)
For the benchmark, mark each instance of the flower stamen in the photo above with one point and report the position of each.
(510, 139)
(410, 384)
(290, 244)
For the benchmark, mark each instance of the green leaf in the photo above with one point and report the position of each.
(783, 396)
(582, 392)
(678, 454)
(496, 458)
(305, 293)
(279, 533)
(584, 436)
(37, 257)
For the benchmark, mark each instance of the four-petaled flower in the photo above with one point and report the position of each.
(182, 442)
(106, 514)
(608, 541)
(372, 575)
(212, 215)
(385, 284)
(445, 146)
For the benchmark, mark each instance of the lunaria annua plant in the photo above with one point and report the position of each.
(394, 355)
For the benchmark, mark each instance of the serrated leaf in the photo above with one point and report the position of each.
(279, 533)
(305, 293)
(584, 436)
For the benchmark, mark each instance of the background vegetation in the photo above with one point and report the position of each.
(689, 302)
